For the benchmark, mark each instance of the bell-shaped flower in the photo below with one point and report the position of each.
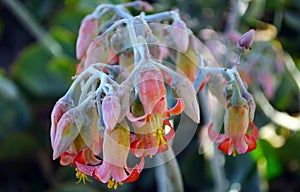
(240, 134)
(85, 162)
(114, 168)
(152, 96)
(152, 138)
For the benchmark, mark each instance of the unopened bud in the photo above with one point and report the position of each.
(247, 39)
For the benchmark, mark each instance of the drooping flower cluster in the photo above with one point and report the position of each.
(119, 105)
(124, 94)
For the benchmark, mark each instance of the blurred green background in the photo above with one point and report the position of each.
(37, 61)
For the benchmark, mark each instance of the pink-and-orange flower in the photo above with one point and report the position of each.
(152, 96)
(240, 135)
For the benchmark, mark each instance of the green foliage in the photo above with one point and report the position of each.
(42, 75)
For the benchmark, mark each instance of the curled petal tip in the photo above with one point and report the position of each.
(213, 135)
(225, 146)
(251, 142)
(178, 108)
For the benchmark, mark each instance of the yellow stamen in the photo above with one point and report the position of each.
(113, 184)
(81, 177)
(160, 132)
(110, 183)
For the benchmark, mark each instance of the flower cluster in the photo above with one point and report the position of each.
(123, 96)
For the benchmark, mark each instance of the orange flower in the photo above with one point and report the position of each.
(240, 133)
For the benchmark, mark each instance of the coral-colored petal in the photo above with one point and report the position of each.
(170, 135)
(241, 145)
(251, 142)
(79, 158)
(135, 172)
(66, 158)
(178, 108)
(102, 172)
(225, 145)
(213, 135)
(162, 148)
(137, 148)
(254, 132)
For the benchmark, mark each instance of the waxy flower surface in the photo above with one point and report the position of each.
(240, 134)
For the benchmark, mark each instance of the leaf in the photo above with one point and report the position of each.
(40, 75)
(65, 38)
(14, 113)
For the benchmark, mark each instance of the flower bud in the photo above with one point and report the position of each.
(111, 108)
(61, 107)
(247, 39)
(126, 59)
(68, 129)
(188, 62)
(87, 32)
(152, 91)
(118, 41)
(97, 52)
(187, 93)
(177, 36)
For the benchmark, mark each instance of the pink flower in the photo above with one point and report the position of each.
(237, 136)
(151, 139)
(152, 95)
(114, 168)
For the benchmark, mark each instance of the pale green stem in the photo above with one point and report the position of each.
(218, 172)
(233, 16)
(292, 69)
(168, 175)
(87, 86)
(33, 27)
(280, 118)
